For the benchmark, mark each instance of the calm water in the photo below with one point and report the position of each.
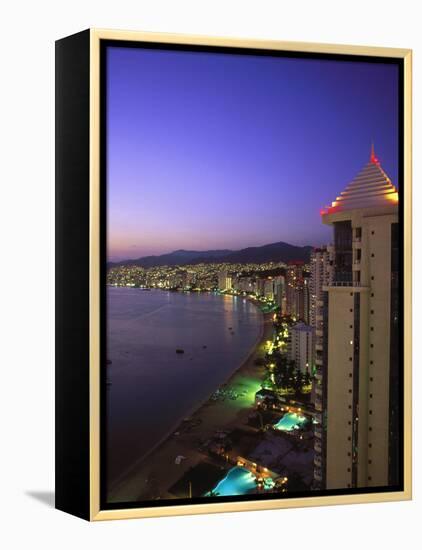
(151, 387)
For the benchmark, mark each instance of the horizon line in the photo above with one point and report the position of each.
(229, 250)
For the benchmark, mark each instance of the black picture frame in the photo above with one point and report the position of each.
(74, 174)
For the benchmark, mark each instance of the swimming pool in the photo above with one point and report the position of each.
(290, 421)
(238, 481)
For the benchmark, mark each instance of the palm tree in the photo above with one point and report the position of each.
(291, 372)
(308, 377)
(298, 385)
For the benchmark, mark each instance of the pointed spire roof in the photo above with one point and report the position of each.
(370, 188)
(373, 158)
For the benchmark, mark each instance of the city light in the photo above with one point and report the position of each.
(292, 356)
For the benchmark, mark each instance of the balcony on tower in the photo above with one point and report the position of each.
(318, 474)
(318, 404)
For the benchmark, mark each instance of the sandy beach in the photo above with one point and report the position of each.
(155, 473)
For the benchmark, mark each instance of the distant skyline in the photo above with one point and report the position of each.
(212, 151)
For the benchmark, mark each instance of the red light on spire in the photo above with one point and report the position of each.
(374, 158)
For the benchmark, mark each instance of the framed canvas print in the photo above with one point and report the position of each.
(233, 274)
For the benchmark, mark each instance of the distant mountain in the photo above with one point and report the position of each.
(178, 257)
(275, 252)
(190, 254)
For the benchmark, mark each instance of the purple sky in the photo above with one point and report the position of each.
(211, 151)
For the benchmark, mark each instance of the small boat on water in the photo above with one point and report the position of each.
(179, 350)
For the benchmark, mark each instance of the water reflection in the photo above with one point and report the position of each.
(151, 387)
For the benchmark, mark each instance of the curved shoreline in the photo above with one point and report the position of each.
(195, 408)
(213, 415)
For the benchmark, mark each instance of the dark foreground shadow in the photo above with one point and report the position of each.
(45, 497)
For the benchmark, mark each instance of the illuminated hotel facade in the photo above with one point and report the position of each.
(322, 261)
(224, 281)
(356, 443)
(322, 265)
(295, 291)
(301, 347)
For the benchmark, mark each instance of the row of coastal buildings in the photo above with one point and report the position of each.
(292, 294)
(347, 310)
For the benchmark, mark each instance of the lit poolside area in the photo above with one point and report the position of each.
(238, 481)
(291, 421)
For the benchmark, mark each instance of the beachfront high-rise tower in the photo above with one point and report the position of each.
(301, 347)
(322, 266)
(358, 439)
(295, 290)
(224, 281)
(322, 262)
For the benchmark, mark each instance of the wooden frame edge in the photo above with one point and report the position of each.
(251, 506)
(96, 514)
(94, 275)
(407, 280)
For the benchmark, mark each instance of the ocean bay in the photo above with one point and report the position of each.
(150, 386)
